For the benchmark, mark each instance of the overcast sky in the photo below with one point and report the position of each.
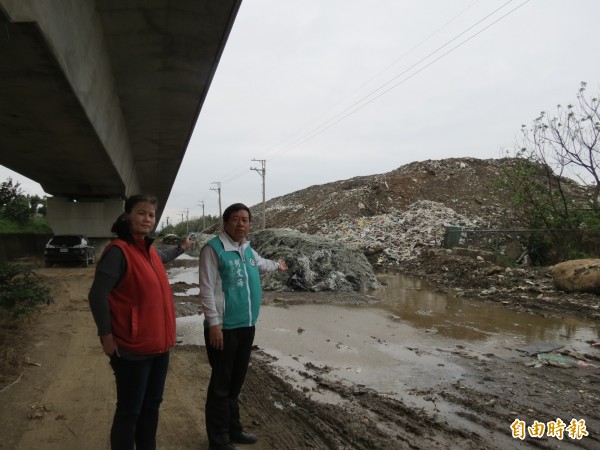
(326, 90)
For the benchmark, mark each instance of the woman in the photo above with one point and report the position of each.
(132, 305)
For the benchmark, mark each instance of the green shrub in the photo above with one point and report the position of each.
(21, 294)
(505, 261)
(35, 225)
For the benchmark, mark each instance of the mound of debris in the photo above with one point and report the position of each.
(200, 239)
(392, 217)
(314, 263)
(390, 239)
(469, 186)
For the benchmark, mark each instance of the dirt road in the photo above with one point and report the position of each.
(63, 397)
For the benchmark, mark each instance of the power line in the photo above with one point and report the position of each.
(234, 175)
(365, 100)
(341, 115)
(404, 55)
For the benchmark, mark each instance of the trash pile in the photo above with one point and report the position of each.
(314, 263)
(393, 216)
(551, 354)
(398, 236)
(199, 240)
(471, 187)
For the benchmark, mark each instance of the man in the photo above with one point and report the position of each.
(230, 294)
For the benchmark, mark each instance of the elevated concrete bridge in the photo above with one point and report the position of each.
(99, 98)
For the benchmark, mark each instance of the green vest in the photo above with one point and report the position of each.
(240, 281)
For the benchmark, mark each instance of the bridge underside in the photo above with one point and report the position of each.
(99, 98)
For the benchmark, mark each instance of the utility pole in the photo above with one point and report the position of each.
(262, 172)
(203, 218)
(218, 189)
(187, 220)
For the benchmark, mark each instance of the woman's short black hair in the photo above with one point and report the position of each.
(235, 208)
(121, 226)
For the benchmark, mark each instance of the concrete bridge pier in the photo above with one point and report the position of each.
(99, 98)
(92, 218)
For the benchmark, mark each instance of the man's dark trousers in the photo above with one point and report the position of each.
(229, 367)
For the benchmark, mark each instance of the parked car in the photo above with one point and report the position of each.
(69, 248)
(170, 239)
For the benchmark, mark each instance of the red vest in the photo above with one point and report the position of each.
(142, 310)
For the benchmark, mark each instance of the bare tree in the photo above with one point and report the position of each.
(555, 151)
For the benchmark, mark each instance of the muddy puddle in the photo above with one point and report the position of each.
(402, 345)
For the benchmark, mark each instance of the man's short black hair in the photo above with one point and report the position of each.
(235, 208)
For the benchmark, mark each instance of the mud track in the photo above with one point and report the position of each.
(61, 395)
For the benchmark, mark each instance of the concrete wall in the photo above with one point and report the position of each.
(93, 219)
(20, 245)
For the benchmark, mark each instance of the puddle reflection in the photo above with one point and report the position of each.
(414, 301)
(401, 343)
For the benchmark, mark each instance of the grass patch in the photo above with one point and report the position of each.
(21, 294)
(36, 225)
(12, 347)
(21, 298)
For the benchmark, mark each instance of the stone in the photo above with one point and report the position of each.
(579, 275)
(513, 250)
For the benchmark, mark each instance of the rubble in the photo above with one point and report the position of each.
(397, 236)
(393, 217)
(314, 263)
(469, 186)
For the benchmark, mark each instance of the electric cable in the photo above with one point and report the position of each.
(365, 100)
(236, 174)
(341, 115)
(404, 55)
(336, 119)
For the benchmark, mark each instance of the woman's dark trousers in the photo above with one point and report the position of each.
(140, 386)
